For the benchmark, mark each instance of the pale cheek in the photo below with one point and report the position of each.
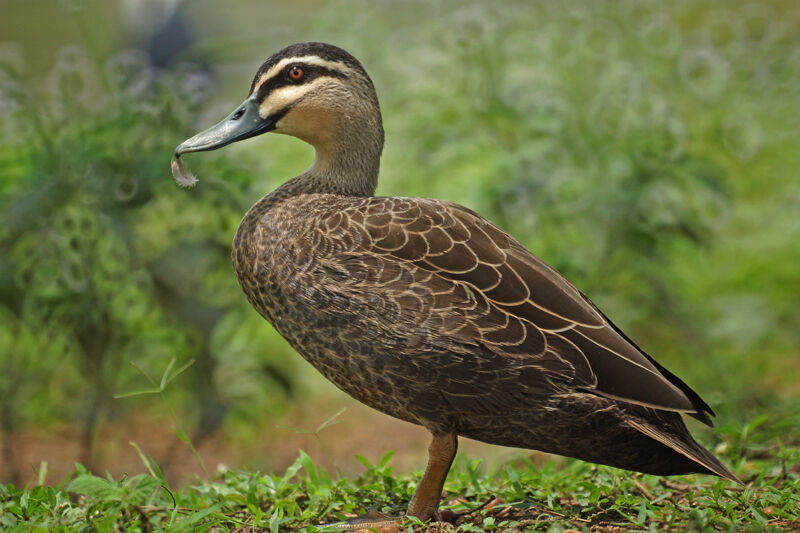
(313, 125)
(272, 105)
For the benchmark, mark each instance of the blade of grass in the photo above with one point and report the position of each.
(192, 519)
(144, 459)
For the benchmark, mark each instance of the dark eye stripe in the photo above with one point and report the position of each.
(281, 79)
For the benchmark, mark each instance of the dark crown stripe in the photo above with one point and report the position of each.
(327, 52)
(281, 78)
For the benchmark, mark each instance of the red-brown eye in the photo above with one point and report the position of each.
(296, 73)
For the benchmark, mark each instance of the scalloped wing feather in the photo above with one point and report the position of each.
(483, 287)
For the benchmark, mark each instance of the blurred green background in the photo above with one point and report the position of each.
(648, 150)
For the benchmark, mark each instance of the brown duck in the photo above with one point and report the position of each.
(426, 311)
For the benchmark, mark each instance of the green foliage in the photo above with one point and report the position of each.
(108, 271)
(514, 497)
(647, 150)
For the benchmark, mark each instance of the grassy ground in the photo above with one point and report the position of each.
(517, 496)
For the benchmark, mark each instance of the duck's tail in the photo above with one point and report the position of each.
(686, 446)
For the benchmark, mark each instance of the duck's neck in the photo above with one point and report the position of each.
(347, 160)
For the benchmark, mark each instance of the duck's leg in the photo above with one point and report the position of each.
(441, 452)
(425, 502)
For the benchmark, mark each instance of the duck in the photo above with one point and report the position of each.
(426, 311)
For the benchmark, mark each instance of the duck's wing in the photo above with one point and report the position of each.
(520, 307)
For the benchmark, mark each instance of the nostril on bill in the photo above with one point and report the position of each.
(238, 114)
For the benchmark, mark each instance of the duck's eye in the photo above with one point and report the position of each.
(296, 73)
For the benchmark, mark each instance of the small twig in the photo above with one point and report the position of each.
(674, 485)
(476, 509)
(560, 515)
(159, 509)
(641, 488)
(683, 487)
(146, 527)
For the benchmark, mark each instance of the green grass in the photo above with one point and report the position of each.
(555, 497)
(647, 150)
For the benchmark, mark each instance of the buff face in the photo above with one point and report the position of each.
(306, 96)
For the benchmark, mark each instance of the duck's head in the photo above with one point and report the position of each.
(316, 92)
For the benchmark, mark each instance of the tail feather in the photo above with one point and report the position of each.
(686, 447)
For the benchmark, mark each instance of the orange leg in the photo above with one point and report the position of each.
(425, 502)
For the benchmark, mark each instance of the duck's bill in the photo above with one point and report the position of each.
(243, 123)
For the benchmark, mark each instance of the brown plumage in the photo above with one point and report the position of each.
(427, 312)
